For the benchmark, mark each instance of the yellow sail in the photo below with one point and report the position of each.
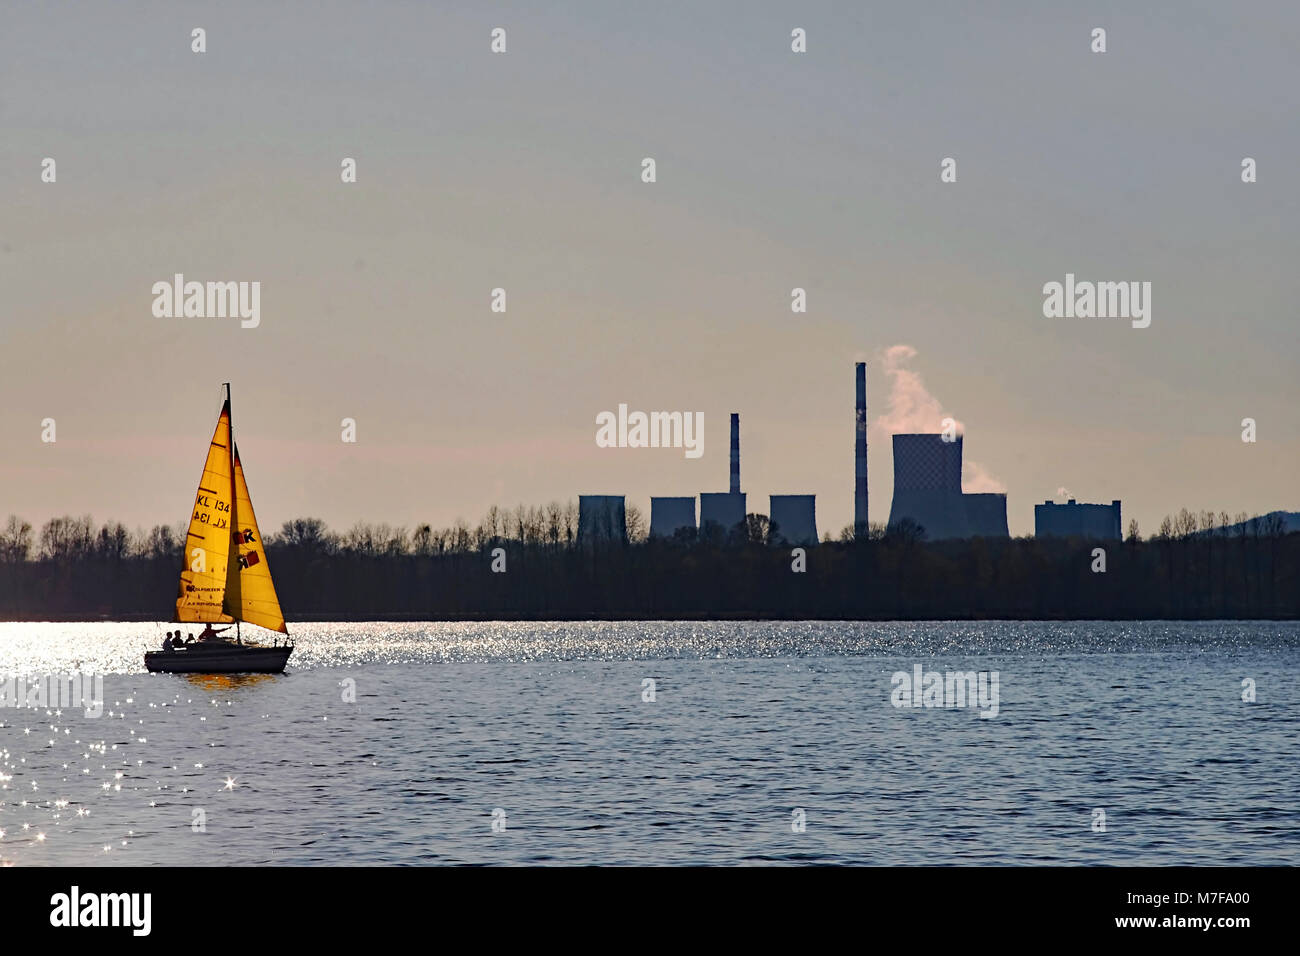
(202, 594)
(252, 598)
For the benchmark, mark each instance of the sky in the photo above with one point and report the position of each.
(522, 171)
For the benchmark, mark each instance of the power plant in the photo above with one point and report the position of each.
(1074, 520)
(927, 491)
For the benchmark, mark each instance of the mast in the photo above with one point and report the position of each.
(234, 608)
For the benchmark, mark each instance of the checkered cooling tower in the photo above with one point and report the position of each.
(927, 463)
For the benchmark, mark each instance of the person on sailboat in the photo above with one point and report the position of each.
(209, 633)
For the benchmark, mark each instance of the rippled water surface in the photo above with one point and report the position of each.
(546, 723)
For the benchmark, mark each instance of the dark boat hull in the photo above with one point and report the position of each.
(223, 659)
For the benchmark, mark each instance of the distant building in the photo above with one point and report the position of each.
(602, 518)
(794, 519)
(668, 516)
(927, 491)
(1074, 520)
(725, 509)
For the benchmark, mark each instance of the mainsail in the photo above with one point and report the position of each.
(226, 577)
(207, 541)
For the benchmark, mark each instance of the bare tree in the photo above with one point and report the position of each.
(907, 531)
(521, 522)
(874, 531)
(483, 535)
(67, 538)
(395, 541)
(15, 540)
(759, 529)
(636, 526)
(570, 522)
(113, 541)
(554, 523)
(461, 539)
(308, 535)
(161, 543)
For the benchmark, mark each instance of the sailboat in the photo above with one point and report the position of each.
(226, 578)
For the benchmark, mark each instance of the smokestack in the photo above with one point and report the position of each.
(735, 453)
(860, 456)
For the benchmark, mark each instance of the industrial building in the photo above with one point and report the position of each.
(725, 509)
(860, 453)
(669, 516)
(927, 491)
(794, 519)
(602, 519)
(1070, 520)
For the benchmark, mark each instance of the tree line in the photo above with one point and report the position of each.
(527, 563)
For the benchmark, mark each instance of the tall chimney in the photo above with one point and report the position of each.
(860, 456)
(735, 453)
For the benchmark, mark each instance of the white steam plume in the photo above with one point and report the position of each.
(911, 408)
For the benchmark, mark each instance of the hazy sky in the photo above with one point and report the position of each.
(775, 170)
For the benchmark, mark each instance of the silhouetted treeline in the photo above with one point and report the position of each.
(1194, 567)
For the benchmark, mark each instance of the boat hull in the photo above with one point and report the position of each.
(226, 659)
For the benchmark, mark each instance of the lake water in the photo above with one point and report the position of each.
(543, 730)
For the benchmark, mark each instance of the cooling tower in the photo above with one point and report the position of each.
(723, 509)
(794, 519)
(986, 515)
(668, 516)
(927, 485)
(735, 453)
(927, 463)
(601, 518)
(941, 514)
(860, 454)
